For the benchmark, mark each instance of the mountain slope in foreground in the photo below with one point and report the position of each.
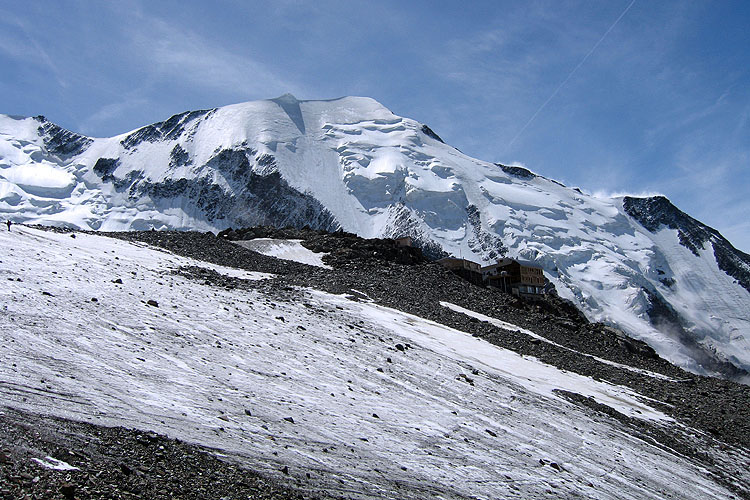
(637, 263)
(331, 393)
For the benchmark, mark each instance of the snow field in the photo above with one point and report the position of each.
(285, 250)
(303, 380)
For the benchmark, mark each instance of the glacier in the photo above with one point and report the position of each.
(639, 264)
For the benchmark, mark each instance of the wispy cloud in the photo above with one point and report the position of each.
(570, 75)
(110, 111)
(186, 58)
(619, 194)
(25, 48)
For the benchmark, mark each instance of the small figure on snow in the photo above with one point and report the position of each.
(8, 222)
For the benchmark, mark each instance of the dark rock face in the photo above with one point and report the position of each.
(169, 129)
(251, 200)
(60, 142)
(178, 157)
(483, 242)
(654, 212)
(657, 211)
(517, 171)
(430, 133)
(105, 167)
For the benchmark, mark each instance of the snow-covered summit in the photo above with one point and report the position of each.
(351, 163)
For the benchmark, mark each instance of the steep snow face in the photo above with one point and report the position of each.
(351, 163)
(314, 382)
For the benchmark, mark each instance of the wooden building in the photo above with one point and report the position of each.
(467, 269)
(515, 276)
(404, 241)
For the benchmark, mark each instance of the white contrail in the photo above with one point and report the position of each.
(571, 73)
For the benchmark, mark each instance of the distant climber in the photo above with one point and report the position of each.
(8, 222)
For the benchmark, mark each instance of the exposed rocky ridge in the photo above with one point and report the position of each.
(430, 133)
(657, 211)
(59, 141)
(250, 197)
(172, 128)
(521, 172)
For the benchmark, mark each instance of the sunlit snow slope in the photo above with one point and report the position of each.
(302, 379)
(350, 163)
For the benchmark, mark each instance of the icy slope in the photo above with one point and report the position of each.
(303, 380)
(351, 163)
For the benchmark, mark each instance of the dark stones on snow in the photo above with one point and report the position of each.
(117, 463)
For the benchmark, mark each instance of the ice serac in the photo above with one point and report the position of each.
(350, 163)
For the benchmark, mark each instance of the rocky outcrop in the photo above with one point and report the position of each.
(169, 129)
(516, 171)
(60, 142)
(430, 133)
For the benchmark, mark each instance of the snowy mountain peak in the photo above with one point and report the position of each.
(656, 212)
(351, 163)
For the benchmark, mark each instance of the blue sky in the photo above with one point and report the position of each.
(619, 96)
